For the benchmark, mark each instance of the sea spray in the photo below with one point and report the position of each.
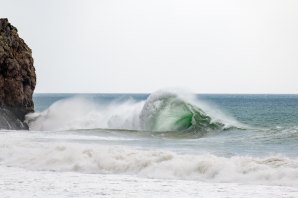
(80, 113)
(162, 111)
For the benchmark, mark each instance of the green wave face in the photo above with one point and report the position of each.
(172, 116)
(170, 113)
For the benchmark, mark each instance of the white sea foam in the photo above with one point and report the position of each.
(21, 151)
(17, 182)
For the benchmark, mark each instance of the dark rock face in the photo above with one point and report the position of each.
(17, 78)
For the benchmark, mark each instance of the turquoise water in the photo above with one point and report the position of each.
(269, 124)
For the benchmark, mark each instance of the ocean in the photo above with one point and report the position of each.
(165, 144)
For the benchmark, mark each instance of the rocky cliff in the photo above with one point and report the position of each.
(17, 78)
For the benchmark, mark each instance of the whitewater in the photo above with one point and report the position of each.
(165, 144)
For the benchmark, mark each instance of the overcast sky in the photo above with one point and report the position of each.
(210, 46)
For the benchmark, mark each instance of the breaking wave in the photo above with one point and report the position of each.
(162, 111)
(170, 112)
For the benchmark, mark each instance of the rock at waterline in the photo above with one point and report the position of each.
(17, 78)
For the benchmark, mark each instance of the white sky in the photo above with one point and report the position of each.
(210, 46)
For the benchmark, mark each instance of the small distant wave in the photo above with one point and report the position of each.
(277, 134)
(101, 159)
(163, 111)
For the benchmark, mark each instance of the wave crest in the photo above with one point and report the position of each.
(168, 111)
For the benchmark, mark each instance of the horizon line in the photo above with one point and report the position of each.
(211, 93)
